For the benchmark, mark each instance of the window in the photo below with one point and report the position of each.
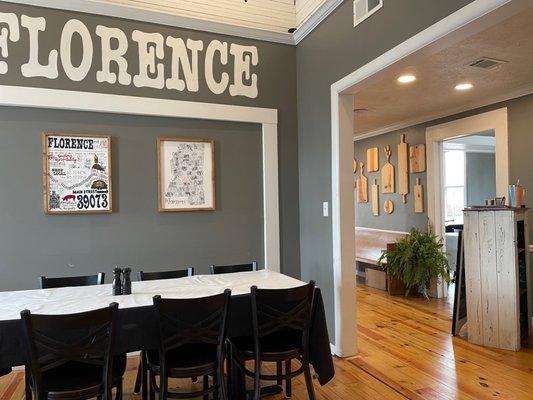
(454, 186)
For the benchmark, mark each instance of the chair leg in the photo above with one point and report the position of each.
(206, 386)
(118, 395)
(27, 385)
(151, 390)
(144, 377)
(309, 382)
(279, 371)
(138, 379)
(257, 379)
(163, 384)
(288, 381)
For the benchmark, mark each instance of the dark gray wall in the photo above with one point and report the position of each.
(480, 177)
(404, 217)
(191, 236)
(33, 244)
(333, 50)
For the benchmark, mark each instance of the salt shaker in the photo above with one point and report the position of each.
(117, 282)
(126, 280)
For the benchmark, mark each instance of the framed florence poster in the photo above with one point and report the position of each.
(77, 173)
(186, 174)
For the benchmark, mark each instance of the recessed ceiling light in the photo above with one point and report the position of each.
(407, 78)
(464, 86)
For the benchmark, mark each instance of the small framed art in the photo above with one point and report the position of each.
(77, 173)
(186, 174)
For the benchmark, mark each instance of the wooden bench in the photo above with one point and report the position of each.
(369, 245)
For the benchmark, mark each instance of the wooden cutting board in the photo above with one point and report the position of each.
(375, 198)
(387, 174)
(372, 159)
(362, 185)
(388, 206)
(354, 165)
(417, 158)
(419, 197)
(403, 169)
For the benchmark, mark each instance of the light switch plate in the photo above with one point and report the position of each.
(325, 209)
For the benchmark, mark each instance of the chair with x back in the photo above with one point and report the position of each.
(48, 283)
(191, 343)
(152, 276)
(228, 269)
(281, 324)
(71, 356)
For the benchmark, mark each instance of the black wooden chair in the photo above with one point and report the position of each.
(71, 356)
(228, 269)
(180, 273)
(191, 343)
(151, 276)
(281, 323)
(48, 283)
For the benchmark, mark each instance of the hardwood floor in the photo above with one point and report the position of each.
(405, 352)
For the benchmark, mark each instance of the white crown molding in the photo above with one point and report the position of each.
(315, 19)
(162, 18)
(524, 91)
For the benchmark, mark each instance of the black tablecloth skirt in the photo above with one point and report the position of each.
(137, 331)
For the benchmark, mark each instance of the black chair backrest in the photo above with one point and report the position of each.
(180, 273)
(47, 283)
(228, 269)
(86, 338)
(192, 321)
(280, 310)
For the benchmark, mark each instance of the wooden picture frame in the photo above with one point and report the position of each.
(201, 154)
(77, 156)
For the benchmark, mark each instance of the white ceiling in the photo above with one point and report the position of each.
(392, 105)
(257, 19)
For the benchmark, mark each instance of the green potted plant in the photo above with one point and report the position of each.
(417, 259)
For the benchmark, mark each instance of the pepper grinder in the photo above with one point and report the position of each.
(117, 282)
(126, 280)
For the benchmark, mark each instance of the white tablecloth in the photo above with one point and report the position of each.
(79, 299)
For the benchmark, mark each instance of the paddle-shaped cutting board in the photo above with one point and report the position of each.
(417, 158)
(372, 159)
(362, 185)
(375, 198)
(419, 197)
(387, 174)
(403, 169)
(388, 206)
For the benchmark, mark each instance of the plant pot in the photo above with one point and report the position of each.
(395, 286)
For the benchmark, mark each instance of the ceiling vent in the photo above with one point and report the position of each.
(487, 63)
(362, 9)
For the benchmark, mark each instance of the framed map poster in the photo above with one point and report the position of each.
(186, 174)
(77, 173)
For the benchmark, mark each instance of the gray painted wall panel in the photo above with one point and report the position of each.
(480, 177)
(34, 244)
(333, 50)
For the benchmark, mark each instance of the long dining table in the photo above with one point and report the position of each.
(136, 326)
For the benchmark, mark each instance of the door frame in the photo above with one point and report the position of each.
(460, 24)
(492, 120)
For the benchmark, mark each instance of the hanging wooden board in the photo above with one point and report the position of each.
(387, 174)
(362, 186)
(388, 206)
(354, 165)
(372, 159)
(419, 197)
(375, 198)
(403, 169)
(417, 158)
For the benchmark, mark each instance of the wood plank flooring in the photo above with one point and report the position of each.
(405, 352)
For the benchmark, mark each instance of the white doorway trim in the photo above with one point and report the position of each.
(435, 135)
(445, 32)
(110, 103)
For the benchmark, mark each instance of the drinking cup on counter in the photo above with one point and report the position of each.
(516, 195)
(500, 201)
